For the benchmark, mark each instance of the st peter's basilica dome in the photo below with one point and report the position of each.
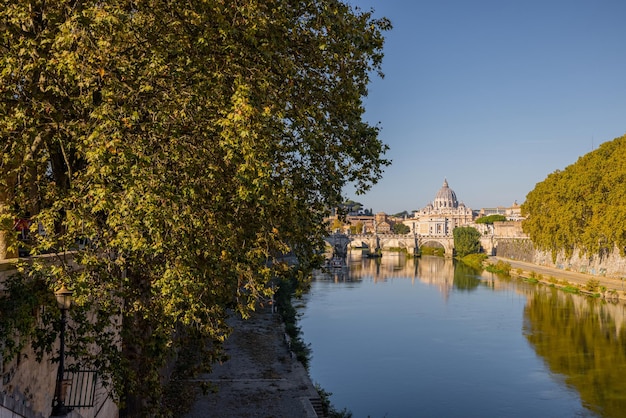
(446, 198)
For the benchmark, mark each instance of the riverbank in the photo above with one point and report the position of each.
(261, 378)
(611, 289)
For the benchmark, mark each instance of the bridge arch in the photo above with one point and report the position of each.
(375, 242)
(339, 243)
(447, 243)
(433, 244)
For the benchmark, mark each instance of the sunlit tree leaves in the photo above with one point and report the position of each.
(466, 241)
(191, 144)
(582, 207)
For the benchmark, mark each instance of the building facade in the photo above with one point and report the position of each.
(442, 215)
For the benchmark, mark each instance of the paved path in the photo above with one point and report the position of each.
(561, 274)
(261, 379)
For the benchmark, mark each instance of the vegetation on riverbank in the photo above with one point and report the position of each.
(287, 290)
(592, 287)
(581, 207)
(474, 260)
(500, 267)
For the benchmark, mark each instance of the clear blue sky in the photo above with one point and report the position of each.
(493, 95)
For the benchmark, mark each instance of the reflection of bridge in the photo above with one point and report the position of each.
(411, 243)
(374, 242)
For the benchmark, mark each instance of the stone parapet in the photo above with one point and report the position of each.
(611, 265)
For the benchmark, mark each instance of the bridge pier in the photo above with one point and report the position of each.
(379, 242)
(339, 242)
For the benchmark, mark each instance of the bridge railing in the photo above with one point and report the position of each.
(381, 235)
(409, 235)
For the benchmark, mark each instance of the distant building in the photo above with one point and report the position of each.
(500, 210)
(442, 215)
(382, 223)
(437, 218)
(512, 213)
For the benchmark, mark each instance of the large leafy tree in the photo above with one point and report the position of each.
(192, 143)
(466, 241)
(581, 207)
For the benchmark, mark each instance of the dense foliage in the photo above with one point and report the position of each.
(474, 260)
(191, 144)
(356, 228)
(581, 207)
(466, 241)
(400, 228)
(350, 206)
(501, 267)
(490, 219)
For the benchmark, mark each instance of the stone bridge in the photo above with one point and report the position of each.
(374, 242)
(411, 243)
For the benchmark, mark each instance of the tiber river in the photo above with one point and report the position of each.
(429, 337)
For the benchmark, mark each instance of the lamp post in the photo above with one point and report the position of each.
(64, 300)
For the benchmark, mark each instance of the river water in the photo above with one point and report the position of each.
(429, 337)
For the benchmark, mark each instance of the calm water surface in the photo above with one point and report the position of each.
(397, 337)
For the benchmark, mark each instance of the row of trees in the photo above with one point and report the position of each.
(191, 144)
(581, 207)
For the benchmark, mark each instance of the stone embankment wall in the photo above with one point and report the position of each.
(514, 244)
(612, 265)
(27, 385)
(521, 249)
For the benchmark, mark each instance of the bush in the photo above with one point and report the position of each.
(474, 260)
(592, 285)
(500, 267)
(285, 292)
(329, 409)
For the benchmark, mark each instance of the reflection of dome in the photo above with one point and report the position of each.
(446, 198)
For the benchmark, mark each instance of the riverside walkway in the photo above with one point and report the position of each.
(573, 277)
(261, 379)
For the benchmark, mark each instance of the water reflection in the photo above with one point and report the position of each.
(583, 340)
(443, 273)
(580, 340)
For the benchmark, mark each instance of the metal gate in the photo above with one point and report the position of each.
(79, 387)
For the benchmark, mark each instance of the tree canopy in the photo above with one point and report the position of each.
(400, 228)
(581, 207)
(192, 144)
(466, 240)
(490, 219)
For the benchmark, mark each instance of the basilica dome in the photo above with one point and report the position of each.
(446, 198)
